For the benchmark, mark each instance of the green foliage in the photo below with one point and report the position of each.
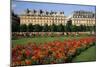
(68, 27)
(37, 28)
(30, 28)
(60, 28)
(15, 27)
(45, 28)
(53, 28)
(23, 28)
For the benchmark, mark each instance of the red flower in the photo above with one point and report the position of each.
(28, 62)
(28, 53)
(55, 49)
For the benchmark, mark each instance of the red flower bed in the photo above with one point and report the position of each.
(48, 53)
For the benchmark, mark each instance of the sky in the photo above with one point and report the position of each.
(19, 6)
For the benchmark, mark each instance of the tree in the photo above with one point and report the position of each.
(81, 28)
(94, 28)
(30, 27)
(23, 28)
(45, 28)
(68, 26)
(37, 28)
(74, 28)
(53, 28)
(15, 27)
(60, 28)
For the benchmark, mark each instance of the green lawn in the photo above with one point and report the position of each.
(87, 55)
(38, 40)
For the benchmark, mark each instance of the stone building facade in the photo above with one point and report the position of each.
(83, 18)
(42, 17)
